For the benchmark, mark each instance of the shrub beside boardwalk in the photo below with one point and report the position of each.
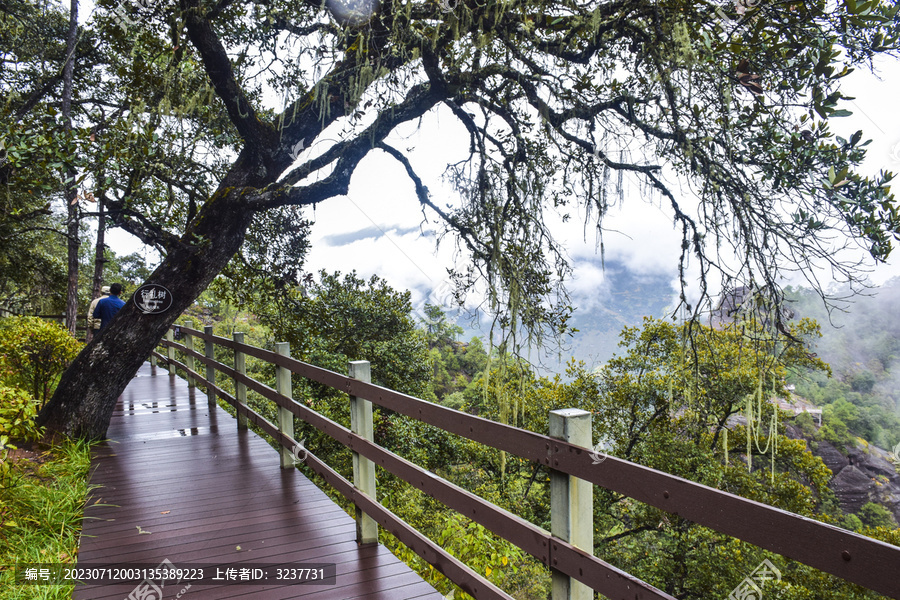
(42, 487)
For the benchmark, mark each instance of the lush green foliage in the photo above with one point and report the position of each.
(875, 515)
(694, 377)
(664, 403)
(342, 318)
(32, 266)
(130, 270)
(17, 412)
(41, 509)
(455, 363)
(474, 545)
(34, 353)
(39, 152)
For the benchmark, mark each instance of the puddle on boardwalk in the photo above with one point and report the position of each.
(176, 433)
(149, 408)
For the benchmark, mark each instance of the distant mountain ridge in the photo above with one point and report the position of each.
(626, 298)
(622, 299)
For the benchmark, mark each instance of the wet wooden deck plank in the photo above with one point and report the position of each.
(208, 494)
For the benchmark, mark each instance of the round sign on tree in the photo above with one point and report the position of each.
(152, 299)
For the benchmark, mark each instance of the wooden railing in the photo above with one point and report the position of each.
(567, 549)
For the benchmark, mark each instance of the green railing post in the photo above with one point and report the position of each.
(189, 358)
(571, 502)
(363, 468)
(170, 350)
(285, 417)
(210, 351)
(240, 389)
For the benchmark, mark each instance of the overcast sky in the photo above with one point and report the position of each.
(378, 228)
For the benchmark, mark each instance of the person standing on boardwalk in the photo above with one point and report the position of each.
(93, 325)
(107, 307)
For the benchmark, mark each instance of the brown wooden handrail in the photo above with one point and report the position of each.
(459, 573)
(853, 557)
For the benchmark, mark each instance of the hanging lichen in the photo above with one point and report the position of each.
(754, 318)
(725, 444)
(683, 46)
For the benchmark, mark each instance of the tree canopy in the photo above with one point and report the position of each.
(208, 115)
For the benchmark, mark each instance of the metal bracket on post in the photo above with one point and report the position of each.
(240, 389)
(571, 501)
(210, 352)
(285, 417)
(363, 468)
(170, 350)
(189, 358)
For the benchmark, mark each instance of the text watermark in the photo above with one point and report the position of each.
(299, 452)
(751, 587)
(151, 579)
(123, 16)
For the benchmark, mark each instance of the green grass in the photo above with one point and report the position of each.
(41, 508)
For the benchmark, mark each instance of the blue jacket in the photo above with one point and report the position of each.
(107, 309)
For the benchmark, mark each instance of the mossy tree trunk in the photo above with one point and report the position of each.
(84, 400)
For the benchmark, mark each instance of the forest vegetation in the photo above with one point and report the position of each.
(862, 346)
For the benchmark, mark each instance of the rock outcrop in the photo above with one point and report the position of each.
(863, 473)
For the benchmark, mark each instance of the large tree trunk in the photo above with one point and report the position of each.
(99, 257)
(73, 241)
(84, 400)
(73, 244)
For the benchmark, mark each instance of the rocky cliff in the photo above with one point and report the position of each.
(862, 474)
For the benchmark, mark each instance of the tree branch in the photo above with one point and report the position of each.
(218, 67)
(424, 196)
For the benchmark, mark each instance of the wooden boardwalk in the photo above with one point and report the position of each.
(180, 483)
